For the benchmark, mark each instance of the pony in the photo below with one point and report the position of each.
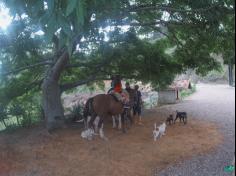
(107, 106)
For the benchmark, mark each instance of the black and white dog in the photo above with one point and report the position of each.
(182, 116)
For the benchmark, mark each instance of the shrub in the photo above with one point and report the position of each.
(188, 92)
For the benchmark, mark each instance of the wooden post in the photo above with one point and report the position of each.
(177, 92)
(230, 68)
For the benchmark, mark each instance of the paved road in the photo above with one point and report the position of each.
(215, 103)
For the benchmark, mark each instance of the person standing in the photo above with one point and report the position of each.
(127, 87)
(138, 105)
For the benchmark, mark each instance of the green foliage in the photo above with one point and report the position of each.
(188, 92)
(27, 120)
(16, 110)
(151, 101)
(21, 112)
(77, 111)
(3, 112)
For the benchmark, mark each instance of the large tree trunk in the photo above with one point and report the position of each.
(52, 104)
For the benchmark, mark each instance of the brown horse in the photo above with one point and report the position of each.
(106, 106)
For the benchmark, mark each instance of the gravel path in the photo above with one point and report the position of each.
(215, 103)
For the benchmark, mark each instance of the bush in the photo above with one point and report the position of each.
(188, 92)
(77, 112)
(26, 121)
(151, 100)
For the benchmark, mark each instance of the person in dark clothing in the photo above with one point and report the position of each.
(116, 85)
(117, 90)
(127, 87)
(138, 105)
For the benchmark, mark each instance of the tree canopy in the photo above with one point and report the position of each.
(75, 42)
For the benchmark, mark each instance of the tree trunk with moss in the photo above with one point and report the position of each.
(52, 104)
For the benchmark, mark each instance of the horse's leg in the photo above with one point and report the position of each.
(101, 132)
(90, 127)
(91, 122)
(114, 121)
(87, 122)
(96, 122)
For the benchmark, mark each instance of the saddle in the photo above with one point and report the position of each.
(122, 97)
(115, 98)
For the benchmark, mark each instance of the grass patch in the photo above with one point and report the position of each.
(186, 93)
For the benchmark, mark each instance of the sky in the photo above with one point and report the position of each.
(5, 19)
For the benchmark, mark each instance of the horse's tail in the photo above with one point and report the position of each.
(88, 110)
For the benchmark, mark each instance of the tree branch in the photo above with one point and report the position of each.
(60, 65)
(78, 83)
(28, 67)
(76, 65)
(93, 77)
(161, 22)
(168, 8)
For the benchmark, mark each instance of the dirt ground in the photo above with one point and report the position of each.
(34, 153)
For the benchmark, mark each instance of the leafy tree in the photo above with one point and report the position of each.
(86, 40)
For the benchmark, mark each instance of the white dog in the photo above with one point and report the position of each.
(88, 134)
(155, 132)
(159, 131)
(162, 129)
